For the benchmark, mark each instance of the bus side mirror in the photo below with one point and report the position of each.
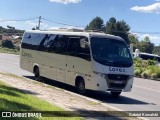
(82, 43)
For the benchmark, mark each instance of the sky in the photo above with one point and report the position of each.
(143, 16)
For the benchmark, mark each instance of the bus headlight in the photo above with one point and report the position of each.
(100, 74)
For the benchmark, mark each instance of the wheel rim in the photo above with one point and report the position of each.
(81, 87)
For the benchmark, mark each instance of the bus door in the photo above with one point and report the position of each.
(60, 47)
(72, 59)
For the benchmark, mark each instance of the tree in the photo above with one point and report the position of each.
(118, 28)
(111, 26)
(96, 24)
(134, 41)
(7, 44)
(146, 46)
(156, 50)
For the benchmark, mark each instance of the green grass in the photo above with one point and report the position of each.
(10, 51)
(12, 99)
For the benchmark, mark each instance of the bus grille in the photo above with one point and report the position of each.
(117, 81)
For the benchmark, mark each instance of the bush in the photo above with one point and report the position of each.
(146, 69)
(137, 72)
(152, 62)
(7, 44)
(145, 63)
(144, 75)
(17, 47)
(137, 63)
(149, 71)
(156, 70)
(154, 76)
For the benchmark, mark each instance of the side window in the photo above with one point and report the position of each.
(85, 50)
(26, 41)
(58, 45)
(53, 43)
(85, 53)
(31, 41)
(35, 40)
(49, 41)
(46, 42)
(74, 48)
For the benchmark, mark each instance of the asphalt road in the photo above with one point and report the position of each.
(145, 95)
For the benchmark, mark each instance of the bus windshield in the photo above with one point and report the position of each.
(111, 52)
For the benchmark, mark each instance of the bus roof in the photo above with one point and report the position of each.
(75, 32)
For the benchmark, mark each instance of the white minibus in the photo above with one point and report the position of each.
(86, 60)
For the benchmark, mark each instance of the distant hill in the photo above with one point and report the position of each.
(11, 34)
(10, 31)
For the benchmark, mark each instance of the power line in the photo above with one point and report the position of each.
(53, 21)
(145, 32)
(10, 20)
(131, 32)
(61, 23)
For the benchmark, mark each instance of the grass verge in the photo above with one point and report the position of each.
(10, 51)
(12, 99)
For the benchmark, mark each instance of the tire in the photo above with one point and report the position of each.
(37, 74)
(115, 94)
(81, 87)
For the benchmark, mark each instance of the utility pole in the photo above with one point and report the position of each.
(39, 23)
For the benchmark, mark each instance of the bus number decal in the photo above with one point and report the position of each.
(112, 69)
(27, 55)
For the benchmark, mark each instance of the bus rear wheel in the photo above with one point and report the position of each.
(37, 74)
(81, 87)
(115, 94)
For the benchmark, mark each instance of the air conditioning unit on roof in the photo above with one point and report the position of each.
(68, 29)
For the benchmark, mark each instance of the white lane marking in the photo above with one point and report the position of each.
(147, 88)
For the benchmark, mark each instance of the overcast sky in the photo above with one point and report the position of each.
(143, 16)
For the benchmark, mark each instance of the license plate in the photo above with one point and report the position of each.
(118, 82)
